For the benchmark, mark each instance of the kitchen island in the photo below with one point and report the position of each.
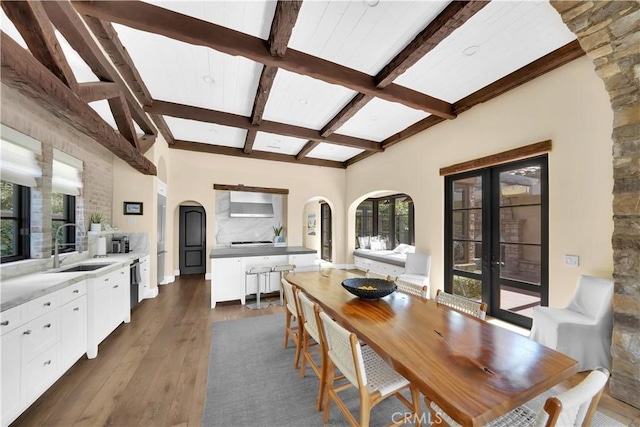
(229, 264)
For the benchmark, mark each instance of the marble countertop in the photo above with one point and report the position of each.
(232, 252)
(22, 289)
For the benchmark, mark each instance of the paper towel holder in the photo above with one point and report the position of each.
(102, 241)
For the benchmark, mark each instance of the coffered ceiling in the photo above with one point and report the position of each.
(323, 83)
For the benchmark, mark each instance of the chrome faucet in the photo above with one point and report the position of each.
(56, 255)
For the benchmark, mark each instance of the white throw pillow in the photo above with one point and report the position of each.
(402, 248)
(363, 242)
(378, 246)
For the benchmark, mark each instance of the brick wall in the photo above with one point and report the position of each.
(27, 116)
(608, 31)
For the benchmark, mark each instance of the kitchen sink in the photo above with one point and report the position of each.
(83, 267)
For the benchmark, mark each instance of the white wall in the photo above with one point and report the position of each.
(568, 106)
(312, 241)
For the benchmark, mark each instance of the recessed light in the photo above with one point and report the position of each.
(471, 50)
(208, 79)
(371, 3)
(303, 101)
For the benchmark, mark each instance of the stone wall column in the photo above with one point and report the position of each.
(608, 31)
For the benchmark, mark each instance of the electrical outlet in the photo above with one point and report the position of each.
(572, 260)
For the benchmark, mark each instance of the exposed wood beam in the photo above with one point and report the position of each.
(145, 142)
(265, 84)
(108, 38)
(527, 151)
(72, 27)
(450, 19)
(349, 110)
(550, 61)
(23, 72)
(309, 146)
(34, 26)
(249, 140)
(282, 25)
(357, 158)
(234, 120)
(154, 19)
(240, 187)
(122, 116)
(260, 155)
(97, 91)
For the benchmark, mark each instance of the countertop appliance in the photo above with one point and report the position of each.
(120, 245)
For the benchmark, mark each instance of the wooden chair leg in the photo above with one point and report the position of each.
(298, 338)
(305, 352)
(365, 411)
(323, 380)
(329, 382)
(287, 327)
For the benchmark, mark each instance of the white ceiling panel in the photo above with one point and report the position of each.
(380, 119)
(192, 75)
(250, 17)
(339, 153)
(505, 35)
(353, 34)
(278, 143)
(103, 109)
(9, 29)
(303, 101)
(208, 133)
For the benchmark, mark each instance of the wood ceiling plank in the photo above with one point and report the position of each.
(97, 91)
(23, 72)
(242, 122)
(248, 142)
(122, 115)
(108, 38)
(34, 26)
(154, 19)
(450, 19)
(282, 25)
(309, 146)
(67, 21)
(261, 155)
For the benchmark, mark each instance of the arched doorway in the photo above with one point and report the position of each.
(318, 223)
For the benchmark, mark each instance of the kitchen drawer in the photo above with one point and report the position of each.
(12, 318)
(42, 333)
(71, 292)
(42, 305)
(42, 372)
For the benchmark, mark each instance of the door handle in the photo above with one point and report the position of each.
(497, 263)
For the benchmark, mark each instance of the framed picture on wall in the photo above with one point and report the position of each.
(311, 225)
(133, 208)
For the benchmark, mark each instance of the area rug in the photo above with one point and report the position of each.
(251, 382)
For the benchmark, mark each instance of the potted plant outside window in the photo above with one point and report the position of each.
(96, 220)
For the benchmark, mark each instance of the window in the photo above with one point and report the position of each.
(390, 218)
(63, 211)
(14, 226)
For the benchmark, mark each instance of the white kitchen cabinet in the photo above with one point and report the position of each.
(227, 283)
(108, 306)
(304, 262)
(145, 278)
(273, 281)
(73, 338)
(14, 396)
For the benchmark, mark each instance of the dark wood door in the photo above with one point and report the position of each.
(193, 240)
(325, 231)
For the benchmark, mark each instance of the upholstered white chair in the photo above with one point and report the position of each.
(372, 275)
(574, 407)
(365, 370)
(310, 318)
(465, 305)
(421, 291)
(581, 330)
(417, 269)
(291, 331)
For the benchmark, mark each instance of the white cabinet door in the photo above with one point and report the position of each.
(303, 262)
(145, 278)
(273, 284)
(252, 280)
(13, 392)
(121, 297)
(73, 340)
(227, 283)
(42, 372)
(99, 314)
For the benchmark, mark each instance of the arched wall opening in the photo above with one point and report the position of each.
(313, 228)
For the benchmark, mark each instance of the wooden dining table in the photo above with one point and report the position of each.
(474, 370)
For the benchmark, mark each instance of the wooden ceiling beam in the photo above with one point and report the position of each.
(97, 91)
(67, 21)
(122, 116)
(260, 155)
(157, 20)
(108, 38)
(450, 19)
(23, 72)
(249, 140)
(34, 26)
(349, 110)
(282, 25)
(242, 122)
(309, 146)
(146, 141)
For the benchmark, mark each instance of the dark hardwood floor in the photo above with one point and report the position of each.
(153, 371)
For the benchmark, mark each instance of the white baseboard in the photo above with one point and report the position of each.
(207, 276)
(176, 272)
(151, 293)
(167, 280)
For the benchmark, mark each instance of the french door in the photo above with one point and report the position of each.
(496, 238)
(325, 231)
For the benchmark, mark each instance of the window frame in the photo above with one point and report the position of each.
(375, 218)
(68, 216)
(21, 215)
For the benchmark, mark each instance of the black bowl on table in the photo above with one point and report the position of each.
(367, 288)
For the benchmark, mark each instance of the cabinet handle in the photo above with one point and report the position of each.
(106, 280)
(47, 304)
(48, 362)
(48, 325)
(115, 286)
(4, 323)
(76, 309)
(27, 332)
(75, 291)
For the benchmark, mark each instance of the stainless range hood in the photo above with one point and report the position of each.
(246, 204)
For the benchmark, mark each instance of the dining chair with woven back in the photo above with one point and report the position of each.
(292, 314)
(364, 369)
(573, 407)
(373, 275)
(460, 303)
(421, 291)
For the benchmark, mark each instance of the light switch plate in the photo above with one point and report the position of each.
(572, 260)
